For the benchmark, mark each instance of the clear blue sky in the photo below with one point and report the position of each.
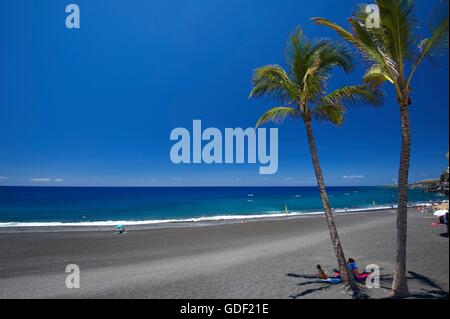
(95, 106)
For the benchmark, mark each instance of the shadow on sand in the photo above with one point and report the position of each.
(313, 280)
(429, 288)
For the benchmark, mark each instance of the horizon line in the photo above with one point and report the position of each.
(193, 186)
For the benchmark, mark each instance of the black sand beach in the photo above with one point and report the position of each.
(259, 259)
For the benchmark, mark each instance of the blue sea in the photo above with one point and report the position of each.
(29, 206)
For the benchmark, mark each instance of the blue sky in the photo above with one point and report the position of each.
(96, 106)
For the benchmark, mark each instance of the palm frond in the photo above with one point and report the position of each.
(302, 56)
(273, 81)
(310, 85)
(355, 95)
(438, 43)
(277, 115)
(398, 26)
(331, 112)
(346, 35)
(335, 54)
(297, 48)
(364, 41)
(311, 62)
(376, 75)
(371, 49)
(303, 88)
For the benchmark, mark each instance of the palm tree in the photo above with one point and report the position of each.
(301, 91)
(394, 54)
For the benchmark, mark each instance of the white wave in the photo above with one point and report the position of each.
(219, 218)
(154, 221)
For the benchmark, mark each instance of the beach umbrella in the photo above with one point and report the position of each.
(119, 226)
(440, 213)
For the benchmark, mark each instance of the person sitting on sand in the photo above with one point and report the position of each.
(320, 273)
(353, 267)
(323, 277)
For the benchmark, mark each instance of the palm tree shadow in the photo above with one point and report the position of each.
(436, 291)
(310, 291)
(431, 291)
(313, 280)
(301, 276)
(429, 288)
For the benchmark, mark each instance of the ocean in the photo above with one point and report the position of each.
(101, 206)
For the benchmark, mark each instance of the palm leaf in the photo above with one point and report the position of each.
(277, 115)
(371, 49)
(364, 41)
(302, 56)
(331, 112)
(302, 89)
(335, 54)
(437, 44)
(273, 81)
(398, 25)
(346, 35)
(355, 95)
(376, 75)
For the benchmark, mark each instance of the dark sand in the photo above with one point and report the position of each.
(262, 259)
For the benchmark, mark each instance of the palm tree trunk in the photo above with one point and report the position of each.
(399, 284)
(339, 252)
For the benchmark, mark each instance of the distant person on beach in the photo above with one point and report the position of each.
(444, 221)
